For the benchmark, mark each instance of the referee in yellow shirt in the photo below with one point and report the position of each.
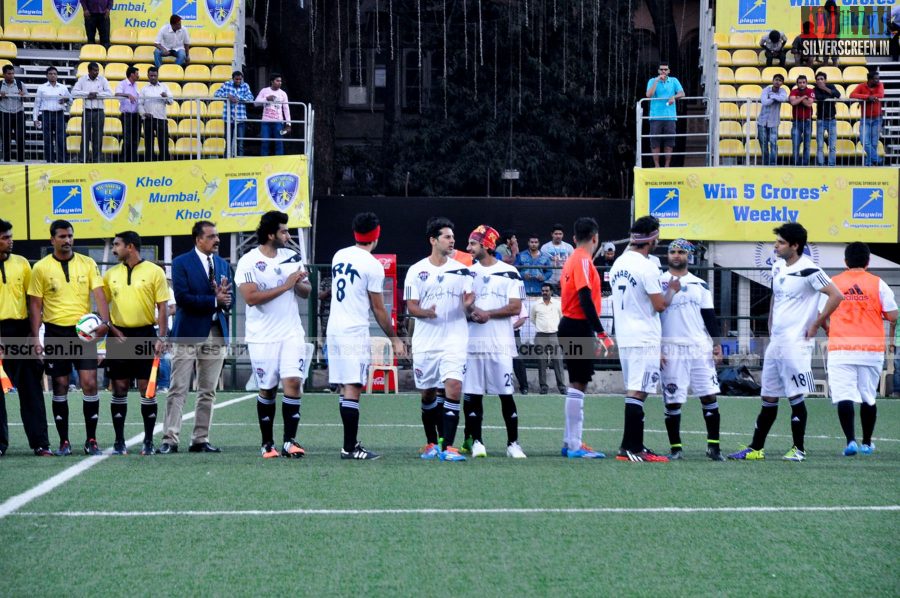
(60, 292)
(138, 298)
(15, 348)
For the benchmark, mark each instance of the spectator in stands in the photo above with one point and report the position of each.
(93, 88)
(50, 105)
(237, 94)
(831, 26)
(802, 99)
(663, 91)
(12, 114)
(96, 19)
(155, 96)
(801, 56)
(276, 116)
(128, 95)
(894, 45)
(825, 119)
(172, 40)
(774, 45)
(508, 250)
(534, 267)
(769, 119)
(871, 92)
(558, 251)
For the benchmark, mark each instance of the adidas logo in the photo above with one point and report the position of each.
(795, 419)
(117, 416)
(514, 416)
(266, 419)
(151, 416)
(95, 417)
(59, 418)
(296, 416)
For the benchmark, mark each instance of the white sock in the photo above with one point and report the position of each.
(574, 418)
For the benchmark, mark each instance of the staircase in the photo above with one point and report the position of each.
(890, 124)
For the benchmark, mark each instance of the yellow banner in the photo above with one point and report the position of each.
(13, 205)
(762, 16)
(745, 204)
(212, 15)
(166, 198)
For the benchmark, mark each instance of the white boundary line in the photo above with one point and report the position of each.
(13, 504)
(497, 511)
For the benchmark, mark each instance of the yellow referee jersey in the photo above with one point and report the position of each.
(133, 293)
(15, 274)
(65, 287)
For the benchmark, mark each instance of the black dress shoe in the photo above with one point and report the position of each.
(167, 449)
(204, 447)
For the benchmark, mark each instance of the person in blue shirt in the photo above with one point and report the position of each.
(533, 277)
(663, 90)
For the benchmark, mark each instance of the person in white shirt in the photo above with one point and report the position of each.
(276, 117)
(545, 316)
(155, 96)
(688, 329)
(499, 292)
(93, 88)
(357, 284)
(270, 278)
(172, 40)
(438, 294)
(50, 116)
(129, 105)
(793, 322)
(638, 301)
(558, 251)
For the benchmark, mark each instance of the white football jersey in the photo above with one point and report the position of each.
(682, 323)
(279, 318)
(354, 274)
(795, 290)
(441, 288)
(494, 286)
(633, 279)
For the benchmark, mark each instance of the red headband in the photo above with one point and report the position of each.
(369, 237)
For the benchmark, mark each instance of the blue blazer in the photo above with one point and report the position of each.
(195, 299)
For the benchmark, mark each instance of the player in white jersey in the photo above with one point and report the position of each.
(638, 299)
(499, 292)
(688, 328)
(357, 284)
(793, 322)
(438, 293)
(270, 279)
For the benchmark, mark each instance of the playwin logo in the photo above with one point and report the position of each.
(751, 12)
(868, 203)
(665, 202)
(66, 200)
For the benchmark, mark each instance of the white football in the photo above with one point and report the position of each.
(87, 327)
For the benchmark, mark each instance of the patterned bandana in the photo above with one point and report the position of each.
(682, 244)
(485, 235)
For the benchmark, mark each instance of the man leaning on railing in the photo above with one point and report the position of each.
(236, 94)
(769, 119)
(50, 116)
(872, 92)
(663, 91)
(12, 114)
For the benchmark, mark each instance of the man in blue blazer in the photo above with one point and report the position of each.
(202, 283)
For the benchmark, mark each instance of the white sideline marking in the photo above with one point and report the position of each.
(13, 504)
(499, 511)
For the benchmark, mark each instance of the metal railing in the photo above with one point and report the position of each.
(645, 137)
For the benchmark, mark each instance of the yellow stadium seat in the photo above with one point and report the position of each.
(123, 35)
(787, 112)
(71, 34)
(832, 73)
(844, 129)
(110, 145)
(214, 146)
(189, 108)
(73, 127)
(796, 71)
(82, 69)
(855, 111)
(190, 127)
(144, 54)
(749, 91)
(146, 37)
(111, 107)
(196, 72)
(114, 72)
(727, 110)
(174, 88)
(43, 33)
(215, 127)
(173, 125)
(746, 74)
(141, 147)
(770, 71)
(188, 146)
(112, 126)
(749, 129)
(744, 58)
(142, 69)
(784, 129)
(723, 58)
(94, 52)
(73, 144)
(727, 91)
(845, 148)
(195, 90)
(754, 148)
(173, 109)
(726, 75)
(216, 107)
(855, 74)
(731, 147)
(730, 128)
(4, 62)
(201, 55)
(220, 72)
(840, 88)
(120, 54)
(8, 50)
(721, 40)
(213, 87)
(743, 40)
(752, 108)
(202, 37)
(842, 111)
(17, 32)
(171, 72)
(77, 107)
(852, 60)
(225, 38)
(785, 148)
(226, 56)
(860, 150)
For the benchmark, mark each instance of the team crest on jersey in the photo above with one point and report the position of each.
(654, 377)
(109, 197)
(261, 266)
(282, 188)
(260, 373)
(418, 373)
(423, 276)
(671, 388)
(219, 10)
(440, 278)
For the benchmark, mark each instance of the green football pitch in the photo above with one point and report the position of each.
(234, 524)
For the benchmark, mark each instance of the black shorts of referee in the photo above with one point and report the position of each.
(577, 340)
(63, 350)
(133, 358)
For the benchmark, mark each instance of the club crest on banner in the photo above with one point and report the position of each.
(282, 189)
(109, 197)
(65, 9)
(219, 10)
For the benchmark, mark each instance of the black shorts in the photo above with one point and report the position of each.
(133, 359)
(577, 341)
(662, 133)
(64, 350)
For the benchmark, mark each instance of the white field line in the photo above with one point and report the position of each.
(12, 504)
(497, 511)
